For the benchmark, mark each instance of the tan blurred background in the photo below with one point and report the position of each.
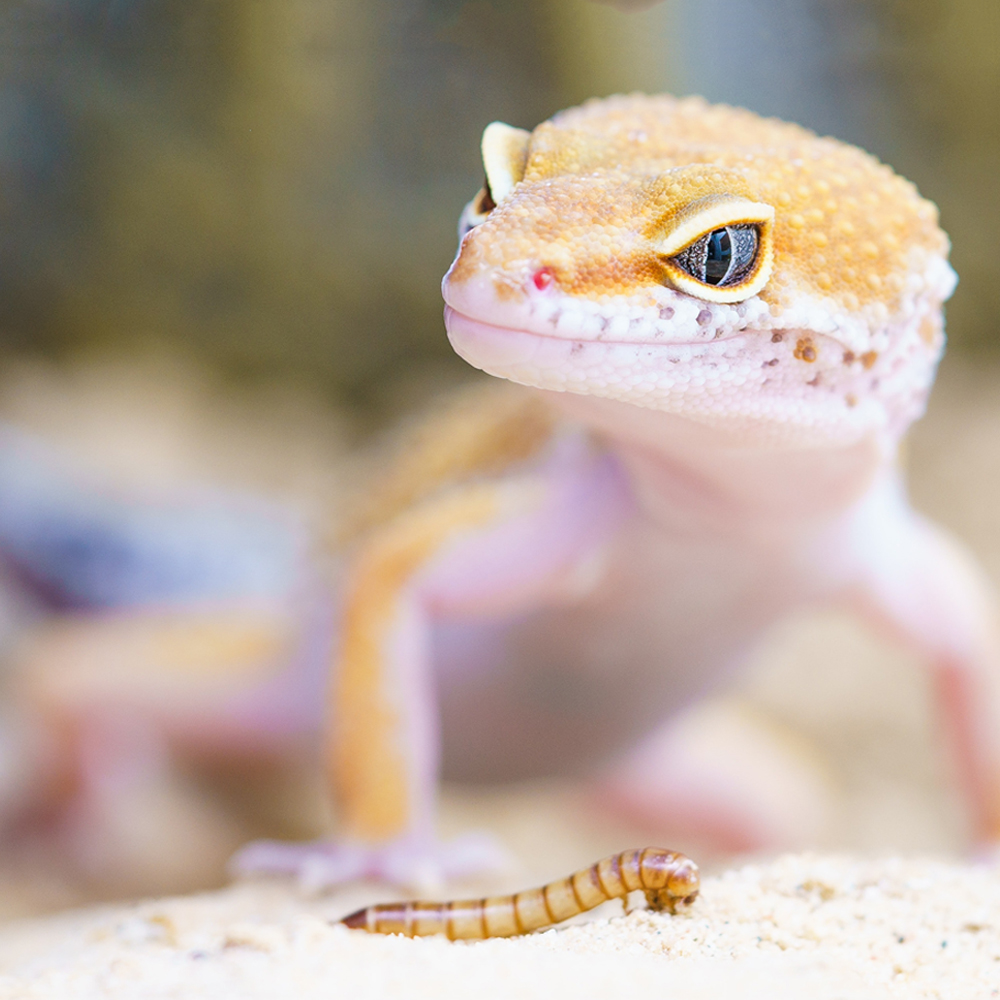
(223, 225)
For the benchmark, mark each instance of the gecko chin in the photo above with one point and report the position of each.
(774, 380)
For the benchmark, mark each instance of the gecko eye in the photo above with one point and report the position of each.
(719, 247)
(723, 257)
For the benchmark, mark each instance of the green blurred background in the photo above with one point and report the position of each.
(270, 187)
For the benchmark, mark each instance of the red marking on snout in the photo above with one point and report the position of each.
(543, 278)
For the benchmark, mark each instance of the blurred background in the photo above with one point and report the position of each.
(223, 225)
(269, 187)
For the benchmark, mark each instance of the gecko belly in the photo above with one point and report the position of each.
(562, 688)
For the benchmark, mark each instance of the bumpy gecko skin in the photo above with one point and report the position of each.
(726, 324)
(841, 337)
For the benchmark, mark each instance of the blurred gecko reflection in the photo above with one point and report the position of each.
(140, 631)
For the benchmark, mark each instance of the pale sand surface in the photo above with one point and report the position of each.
(801, 926)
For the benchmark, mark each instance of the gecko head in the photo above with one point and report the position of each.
(705, 262)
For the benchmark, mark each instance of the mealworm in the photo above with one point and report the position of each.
(668, 879)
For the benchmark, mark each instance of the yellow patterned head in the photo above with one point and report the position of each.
(705, 261)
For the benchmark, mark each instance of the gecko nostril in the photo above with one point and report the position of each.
(543, 278)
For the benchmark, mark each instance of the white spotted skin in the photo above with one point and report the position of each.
(733, 367)
(842, 339)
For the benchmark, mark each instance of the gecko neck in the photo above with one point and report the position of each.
(699, 476)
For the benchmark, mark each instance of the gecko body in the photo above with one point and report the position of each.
(725, 325)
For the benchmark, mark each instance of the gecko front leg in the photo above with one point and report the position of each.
(486, 549)
(918, 583)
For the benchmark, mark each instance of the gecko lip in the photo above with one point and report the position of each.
(655, 316)
(515, 344)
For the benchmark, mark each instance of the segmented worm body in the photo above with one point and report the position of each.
(668, 879)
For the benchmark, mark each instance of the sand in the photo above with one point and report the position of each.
(817, 926)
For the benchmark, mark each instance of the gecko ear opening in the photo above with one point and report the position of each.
(719, 248)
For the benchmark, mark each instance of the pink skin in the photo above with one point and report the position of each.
(105, 704)
(835, 510)
(627, 577)
(741, 481)
(748, 549)
(562, 514)
(488, 617)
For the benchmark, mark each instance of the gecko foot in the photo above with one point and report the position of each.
(723, 777)
(421, 865)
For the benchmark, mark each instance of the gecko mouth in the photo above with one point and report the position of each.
(790, 377)
(656, 318)
(494, 347)
(652, 350)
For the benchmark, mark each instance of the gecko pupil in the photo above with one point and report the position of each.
(724, 257)
(718, 257)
